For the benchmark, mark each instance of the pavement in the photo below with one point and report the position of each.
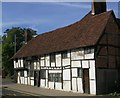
(37, 91)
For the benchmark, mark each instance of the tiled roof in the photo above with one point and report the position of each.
(85, 32)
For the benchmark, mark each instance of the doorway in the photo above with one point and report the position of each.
(37, 78)
(86, 84)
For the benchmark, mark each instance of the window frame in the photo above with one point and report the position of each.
(42, 74)
(52, 57)
(87, 51)
(64, 55)
(54, 77)
(80, 73)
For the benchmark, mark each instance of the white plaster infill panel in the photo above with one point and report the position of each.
(92, 69)
(66, 85)
(25, 81)
(19, 65)
(52, 64)
(32, 81)
(21, 62)
(28, 80)
(66, 74)
(55, 71)
(92, 77)
(47, 59)
(42, 81)
(58, 60)
(35, 65)
(66, 61)
(42, 63)
(25, 73)
(74, 72)
(92, 87)
(58, 85)
(74, 85)
(80, 85)
(51, 85)
(77, 54)
(76, 63)
(85, 64)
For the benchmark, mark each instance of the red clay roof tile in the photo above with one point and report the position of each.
(85, 32)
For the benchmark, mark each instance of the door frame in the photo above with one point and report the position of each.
(86, 81)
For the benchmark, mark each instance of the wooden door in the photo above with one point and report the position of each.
(86, 85)
(37, 78)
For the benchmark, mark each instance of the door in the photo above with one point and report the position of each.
(86, 85)
(37, 78)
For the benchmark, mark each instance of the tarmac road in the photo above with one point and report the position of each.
(8, 92)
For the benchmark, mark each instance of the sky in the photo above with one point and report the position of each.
(45, 16)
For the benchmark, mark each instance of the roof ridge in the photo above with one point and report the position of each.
(82, 33)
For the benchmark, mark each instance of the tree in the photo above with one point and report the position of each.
(12, 41)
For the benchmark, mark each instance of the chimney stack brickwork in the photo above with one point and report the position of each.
(98, 7)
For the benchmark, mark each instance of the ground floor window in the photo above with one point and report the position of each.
(22, 73)
(31, 73)
(54, 77)
(80, 72)
(42, 74)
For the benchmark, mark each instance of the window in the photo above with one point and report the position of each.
(87, 51)
(31, 73)
(32, 66)
(80, 72)
(50, 77)
(42, 74)
(54, 77)
(52, 57)
(22, 73)
(16, 60)
(64, 55)
(58, 77)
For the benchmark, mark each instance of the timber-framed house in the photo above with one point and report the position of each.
(83, 57)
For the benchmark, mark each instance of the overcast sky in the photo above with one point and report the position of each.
(45, 16)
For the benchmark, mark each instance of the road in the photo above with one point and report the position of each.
(9, 92)
(5, 91)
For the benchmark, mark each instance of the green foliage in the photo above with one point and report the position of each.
(10, 43)
(114, 94)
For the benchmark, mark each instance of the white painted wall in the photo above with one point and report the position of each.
(22, 63)
(66, 62)
(76, 64)
(14, 64)
(66, 74)
(42, 62)
(32, 81)
(58, 85)
(18, 78)
(76, 55)
(58, 60)
(47, 60)
(74, 84)
(92, 77)
(42, 81)
(74, 72)
(51, 85)
(66, 85)
(80, 85)
(85, 64)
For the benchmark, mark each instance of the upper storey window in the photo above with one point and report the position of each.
(64, 55)
(52, 57)
(88, 51)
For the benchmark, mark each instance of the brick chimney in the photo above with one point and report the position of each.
(98, 6)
